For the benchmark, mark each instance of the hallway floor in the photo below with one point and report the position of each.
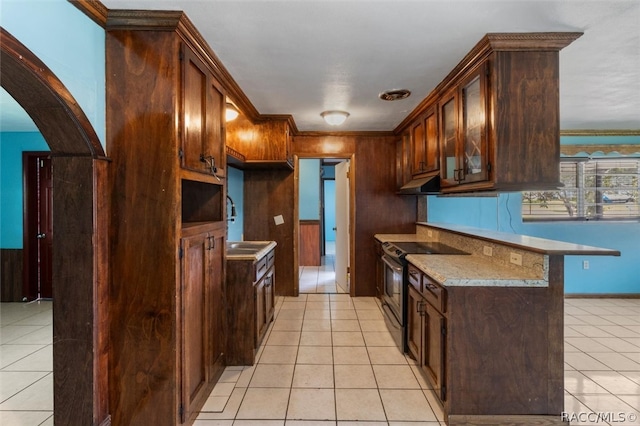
(321, 279)
(327, 359)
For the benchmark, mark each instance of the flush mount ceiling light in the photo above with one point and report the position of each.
(394, 95)
(231, 112)
(334, 118)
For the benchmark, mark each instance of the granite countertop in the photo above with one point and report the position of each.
(468, 270)
(256, 250)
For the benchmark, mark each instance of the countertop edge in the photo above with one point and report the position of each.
(525, 242)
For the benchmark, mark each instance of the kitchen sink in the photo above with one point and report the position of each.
(248, 245)
(241, 249)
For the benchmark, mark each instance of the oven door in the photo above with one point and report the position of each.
(392, 296)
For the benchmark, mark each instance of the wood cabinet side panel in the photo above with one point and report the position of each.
(497, 339)
(525, 103)
(269, 193)
(142, 143)
(241, 317)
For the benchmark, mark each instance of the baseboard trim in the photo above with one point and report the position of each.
(602, 296)
(506, 420)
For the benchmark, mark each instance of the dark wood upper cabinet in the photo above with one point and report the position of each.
(497, 115)
(266, 144)
(424, 144)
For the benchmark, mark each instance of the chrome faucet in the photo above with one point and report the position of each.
(232, 218)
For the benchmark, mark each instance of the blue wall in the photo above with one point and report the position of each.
(235, 189)
(606, 274)
(12, 145)
(309, 189)
(329, 210)
(69, 43)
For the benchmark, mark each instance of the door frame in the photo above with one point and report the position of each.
(352, 210)
(28, 213)
(81, 218)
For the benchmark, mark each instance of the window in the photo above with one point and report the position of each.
(594, 189)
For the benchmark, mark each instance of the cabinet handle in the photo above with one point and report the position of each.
(211, 164)
(421, 308)
(211, 243)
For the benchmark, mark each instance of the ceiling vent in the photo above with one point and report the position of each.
(394, 95)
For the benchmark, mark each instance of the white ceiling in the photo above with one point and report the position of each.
(303, 57)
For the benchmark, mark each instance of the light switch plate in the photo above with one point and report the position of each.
(279, 220)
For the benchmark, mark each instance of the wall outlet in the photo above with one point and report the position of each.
(487, 250)
(516, 259)
(430, 233)
(585, 264)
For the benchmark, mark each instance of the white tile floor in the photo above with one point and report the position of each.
(321, 279)
(328, 359)
(26, 364)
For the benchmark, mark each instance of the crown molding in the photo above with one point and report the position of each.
(94, 9)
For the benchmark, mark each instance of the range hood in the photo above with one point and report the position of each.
(426, 185)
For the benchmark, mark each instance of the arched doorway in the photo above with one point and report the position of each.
(80, 215)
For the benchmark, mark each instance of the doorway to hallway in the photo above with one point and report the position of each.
(324, 203)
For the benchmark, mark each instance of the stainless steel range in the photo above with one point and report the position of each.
(394, 297)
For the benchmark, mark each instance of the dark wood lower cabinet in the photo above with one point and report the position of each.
(250, 293)
(426, 331)
(492, 354)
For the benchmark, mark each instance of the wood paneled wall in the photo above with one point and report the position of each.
(11, 275)
(309, 243)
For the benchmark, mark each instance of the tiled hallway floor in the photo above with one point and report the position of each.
(321, 279)
(328, 359)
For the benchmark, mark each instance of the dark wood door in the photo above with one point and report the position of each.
(269, 304)
(261, 321)
(194, 136)
(217, 306)
(203, 125)
(38, 225)
(433, 348)
(415, 307)
(194, 298)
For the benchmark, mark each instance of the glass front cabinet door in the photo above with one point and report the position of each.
(464, 132)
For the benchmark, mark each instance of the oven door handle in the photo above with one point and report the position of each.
(392, 263)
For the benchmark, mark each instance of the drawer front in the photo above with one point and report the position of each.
(434, 293)
(261, 268)
(415, 277)
(271, 258)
